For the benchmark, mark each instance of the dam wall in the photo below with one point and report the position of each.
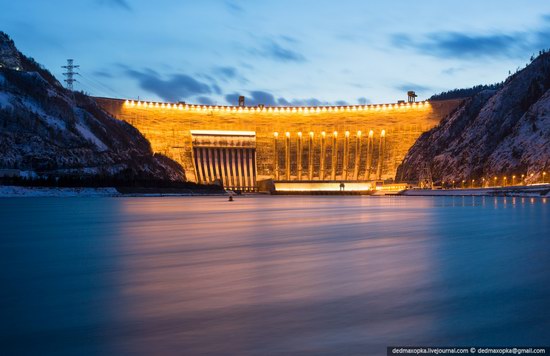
(238, 146)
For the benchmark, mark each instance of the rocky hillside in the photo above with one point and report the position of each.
(500, 132)
(50, 131)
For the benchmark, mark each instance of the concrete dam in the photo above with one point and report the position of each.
(239, 146)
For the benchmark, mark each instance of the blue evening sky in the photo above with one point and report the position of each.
(281, 51)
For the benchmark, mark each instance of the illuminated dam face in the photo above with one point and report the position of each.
(239, 146)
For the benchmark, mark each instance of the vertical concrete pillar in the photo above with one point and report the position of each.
(276, 155)
(211, 172)
(245, 168)
(197, 165)
(225, 182)
(228, 163)
(217, 174)
(381, 149)
(287, 155)
(334, 155)
(234, 168)
(345, 163)
(249, 168)
(370, 149)
(322, 156)
(238, 166)
(204, 164)
(299, 156)
(254, 173)
(310, 157)
(357, 156)
(244, 171)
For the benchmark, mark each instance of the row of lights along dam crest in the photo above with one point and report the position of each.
(274, 109)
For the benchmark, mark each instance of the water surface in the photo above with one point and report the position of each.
(277, 275)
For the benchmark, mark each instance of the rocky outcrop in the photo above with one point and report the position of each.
(494, 133)
(9, 55)
(51, 131)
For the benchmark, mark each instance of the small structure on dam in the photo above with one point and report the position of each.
(238, 146)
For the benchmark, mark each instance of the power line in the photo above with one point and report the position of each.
(93, 89)
(105, 88)
(70, 73)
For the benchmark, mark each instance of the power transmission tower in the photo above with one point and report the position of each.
(425, 177)
(70, 73)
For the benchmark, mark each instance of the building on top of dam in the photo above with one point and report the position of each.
(238, 146)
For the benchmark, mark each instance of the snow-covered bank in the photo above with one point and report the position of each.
(540, 190)
(15, 191)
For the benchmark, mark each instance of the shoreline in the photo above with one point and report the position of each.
(530, 191)
(11, 191)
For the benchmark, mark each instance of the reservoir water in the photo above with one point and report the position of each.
(271, 274)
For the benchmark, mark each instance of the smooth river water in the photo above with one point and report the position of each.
(271, 274)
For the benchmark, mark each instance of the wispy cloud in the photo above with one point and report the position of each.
(123, 4)
(452, 70)
(175, 88)
(103, 73)
(465, 46)
(362, 100)
(468, 45)
(273, 50)
(228, 73)
(233, 6)
(205, 100)
(411, 86)
(258, 97)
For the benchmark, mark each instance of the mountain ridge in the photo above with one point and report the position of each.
(502, 132)
(47, 130)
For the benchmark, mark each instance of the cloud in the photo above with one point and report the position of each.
(175, 88)
(233, 6)
(216, 88)
(103, 73)
(452, 70)
(123, 4)
(308, 102)
(362, 100)
(256, 97)
(205, 100)
(226, 72)
(410, 86)
(542, 39)
(289, 39)
(283, 102)
(273, 50)
(461, 45)
(466, 46)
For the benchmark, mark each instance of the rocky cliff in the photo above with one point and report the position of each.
(500, 132)
(48, 130)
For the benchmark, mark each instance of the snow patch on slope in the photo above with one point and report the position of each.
(87, 134)
(5, 99)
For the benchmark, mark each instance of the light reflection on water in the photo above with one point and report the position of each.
(320, 275)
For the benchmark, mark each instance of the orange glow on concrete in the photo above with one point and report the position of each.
(322, 186)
